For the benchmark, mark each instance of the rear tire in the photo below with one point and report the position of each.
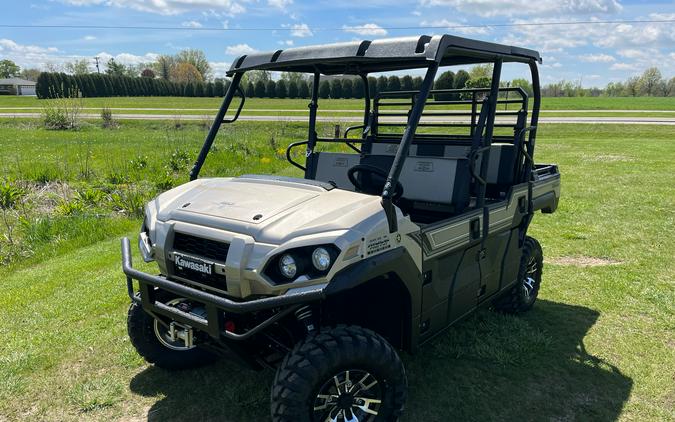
(143, 336)
(521, 297)
(345, 369)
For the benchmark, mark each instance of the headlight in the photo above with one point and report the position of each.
(305, 262)
(321, 259)
(287, 266)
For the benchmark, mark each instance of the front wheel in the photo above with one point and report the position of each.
(341, 374)
(523, 294)
(154, 344)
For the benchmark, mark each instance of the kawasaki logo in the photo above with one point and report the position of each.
(193, 265)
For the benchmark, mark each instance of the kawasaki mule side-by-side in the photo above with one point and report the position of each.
(375, 250)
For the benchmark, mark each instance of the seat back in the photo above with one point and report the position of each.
(332, 167)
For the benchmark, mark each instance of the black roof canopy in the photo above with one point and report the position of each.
(383, 55)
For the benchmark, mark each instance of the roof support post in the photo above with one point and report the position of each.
(487, 141)
(366, 98)
(208, 142)
(313, 106)
(404, 146)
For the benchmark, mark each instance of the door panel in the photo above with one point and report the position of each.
(491, 263)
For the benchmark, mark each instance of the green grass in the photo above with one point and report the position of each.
(580, 103)
(597, 346)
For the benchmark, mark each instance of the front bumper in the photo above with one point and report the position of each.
(216, 306)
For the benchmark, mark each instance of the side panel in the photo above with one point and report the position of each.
(491, 260)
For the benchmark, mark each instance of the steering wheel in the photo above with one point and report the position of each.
(373, 188)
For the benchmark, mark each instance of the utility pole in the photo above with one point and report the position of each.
(97, 68)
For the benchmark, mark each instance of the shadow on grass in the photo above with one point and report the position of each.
(490, 367)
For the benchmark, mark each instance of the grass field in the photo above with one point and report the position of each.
(552, 107)
(599, 345)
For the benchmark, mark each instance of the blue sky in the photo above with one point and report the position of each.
(594, 54)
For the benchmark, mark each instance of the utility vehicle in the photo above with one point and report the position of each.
(375, 250)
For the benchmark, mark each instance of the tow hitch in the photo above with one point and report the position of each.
(180, 332)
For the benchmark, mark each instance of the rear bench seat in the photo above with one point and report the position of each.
(434, 177)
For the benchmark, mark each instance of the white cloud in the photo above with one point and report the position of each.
(624, 66)
(456, 27)
(286, 42)
(10, 47)
(280, 4)
(492, 8)
(597, 58)
(301, 30)
(367, 29)
(191, 24)
(89, 38)
(166, 7)
(239, 50)
(219, 68)
(127, 58)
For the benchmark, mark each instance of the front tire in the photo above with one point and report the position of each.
(521, 297)
(340, 374)
(146, 335)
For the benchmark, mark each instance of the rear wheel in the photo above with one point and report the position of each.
(153, 342)
(523, 294)
(341, 374)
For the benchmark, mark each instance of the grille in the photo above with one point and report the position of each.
(215, 281)
(200, 247)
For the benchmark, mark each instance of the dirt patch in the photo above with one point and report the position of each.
(583, 261)
(608, 158)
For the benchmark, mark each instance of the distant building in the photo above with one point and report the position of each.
(16, 86)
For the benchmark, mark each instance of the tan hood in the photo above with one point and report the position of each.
(271, 210)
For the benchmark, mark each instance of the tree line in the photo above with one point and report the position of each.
(60, 85)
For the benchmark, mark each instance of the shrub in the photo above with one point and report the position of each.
(179, 160)
(139, 163)
(129, 201)
(107, 121)
(62, 113)
(71, 208)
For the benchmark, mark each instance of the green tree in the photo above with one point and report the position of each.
(650, 82)
(219, 88)
(249, 90)
(30, 74)
(372, 86)
(382, 84)
(164, 65)
(8, 69)
(347, 88)
(460, 79)
(259, 75)
(407, 83)
(77, 67)
(293, 89)
(524, 84)
(394, 83)
(282, 91)
(199, 89)
(417, 83)
(336, 88)
(270, 89)
(43, 85)
(358, 88)
(196, 58)
(324, 89)
(293, 77)
(189, 90)
(445, 81)
(114, 68)
(303, 89)
(259, 89)
(481, 71)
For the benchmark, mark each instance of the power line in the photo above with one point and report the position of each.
(343, 29)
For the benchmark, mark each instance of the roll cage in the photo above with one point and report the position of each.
(361, 58)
